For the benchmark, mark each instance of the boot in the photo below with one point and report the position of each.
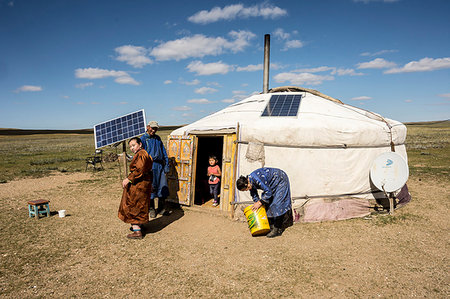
(137, 234)
(161, 206)
(275, 232)
(152, 213)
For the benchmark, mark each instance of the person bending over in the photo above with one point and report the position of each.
(276, 196)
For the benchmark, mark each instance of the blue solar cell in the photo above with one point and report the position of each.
(119, 129)
(282, 105)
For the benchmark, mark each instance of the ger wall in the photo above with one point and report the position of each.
(322, 172)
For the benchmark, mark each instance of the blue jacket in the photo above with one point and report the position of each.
(276, 194)
(155, 148)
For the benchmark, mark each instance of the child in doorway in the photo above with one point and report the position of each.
(213, 179)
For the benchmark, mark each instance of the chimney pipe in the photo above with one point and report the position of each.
(266, 63)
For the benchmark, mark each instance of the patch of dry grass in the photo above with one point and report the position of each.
(428, 147)
(39, 155)
(199, 255)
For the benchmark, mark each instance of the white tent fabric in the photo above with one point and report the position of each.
(327, 150)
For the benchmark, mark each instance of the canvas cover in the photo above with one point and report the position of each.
(327, 150)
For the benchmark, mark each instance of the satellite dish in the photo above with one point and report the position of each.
(389, 172)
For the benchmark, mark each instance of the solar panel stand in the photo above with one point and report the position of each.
(124, 147)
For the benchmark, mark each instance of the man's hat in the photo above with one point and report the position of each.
(153, 124)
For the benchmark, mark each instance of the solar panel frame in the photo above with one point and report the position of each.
(120, 129)
(282, 105)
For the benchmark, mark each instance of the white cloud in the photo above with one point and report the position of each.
(231, 12)
(84, 85)
(281, 34)
(181, 108)
(250, 68)
(361, 98)
(408, 101)
(276, 66)
(343, 72)
(96, 73)
(332, 70)
(209, 68)
(217, 84)
(377, 63)
(200, 46)
(199, 101)
(133, 55)
(205, 90)
(168, 82)
(237, 92)
(315, 69)
(257, 67)
(292, 44)
(424, 65)
(241, 40)
(381, 52)
(228, 101)
(28, 88)
(289, 44)
(302, 78)
(126, 80)
(193, 82)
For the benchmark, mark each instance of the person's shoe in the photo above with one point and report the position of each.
(275, 232)
(152, 213)
(135, 235)
(215, 204)
(161, 211)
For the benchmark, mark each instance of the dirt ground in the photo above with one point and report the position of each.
(193, 252)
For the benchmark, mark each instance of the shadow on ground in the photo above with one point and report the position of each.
(158, 224)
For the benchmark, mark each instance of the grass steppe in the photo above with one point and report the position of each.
(196, 253)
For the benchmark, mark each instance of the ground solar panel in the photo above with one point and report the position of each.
(283, 105)
(119, 129)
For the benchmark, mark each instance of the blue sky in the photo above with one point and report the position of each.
(70, 64)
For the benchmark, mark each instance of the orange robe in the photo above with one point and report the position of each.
(135, 201)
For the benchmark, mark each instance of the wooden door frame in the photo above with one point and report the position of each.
(229, 155)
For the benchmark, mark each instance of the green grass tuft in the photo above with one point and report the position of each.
(382, 220)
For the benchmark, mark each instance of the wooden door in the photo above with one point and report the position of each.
(181, 176)
(228, 173)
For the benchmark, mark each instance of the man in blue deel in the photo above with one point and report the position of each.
(155, 148)
(276, 196)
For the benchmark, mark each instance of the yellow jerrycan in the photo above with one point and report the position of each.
(257, 221)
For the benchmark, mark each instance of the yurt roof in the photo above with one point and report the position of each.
(321, 120)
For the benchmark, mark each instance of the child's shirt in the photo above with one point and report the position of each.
(215, 171)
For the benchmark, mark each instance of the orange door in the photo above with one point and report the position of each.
(228, 172)
(181, 178)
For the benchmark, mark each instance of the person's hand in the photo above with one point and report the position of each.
(125, 182)
(256, 206)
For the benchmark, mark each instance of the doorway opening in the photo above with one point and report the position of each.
(206, 146)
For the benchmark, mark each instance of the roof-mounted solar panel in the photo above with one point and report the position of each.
(283, 105)
(119, 129)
